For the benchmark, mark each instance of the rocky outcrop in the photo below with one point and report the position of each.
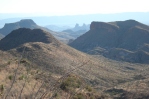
(102, 25)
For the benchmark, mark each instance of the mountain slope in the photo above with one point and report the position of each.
(103, 38)
(44, 50)
(46, 63)
(23, 35)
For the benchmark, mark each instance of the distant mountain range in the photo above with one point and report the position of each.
(77, 30)
(83, 27)
(57, 28)
(121, 40)
(28, 23)
(71, 20)
(71, 33)
(77, 27)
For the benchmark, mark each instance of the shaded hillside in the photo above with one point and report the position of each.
(24, 35)
(103, 38)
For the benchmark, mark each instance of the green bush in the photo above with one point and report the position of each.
(70, 83)
(22, 77)
(10, 77)
(89, 88)
(1, 88)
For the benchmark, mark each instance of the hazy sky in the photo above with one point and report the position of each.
(72, 7)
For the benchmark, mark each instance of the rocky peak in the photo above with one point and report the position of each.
(98, 25)
(21, 23)
(77, 25)
(25, 23)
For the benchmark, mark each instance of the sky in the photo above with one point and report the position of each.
(72, 7)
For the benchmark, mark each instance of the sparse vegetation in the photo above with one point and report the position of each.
(139, 77)
(22, 77)
(56, 71)
(89, 88)
(71, 83)
(114, 91)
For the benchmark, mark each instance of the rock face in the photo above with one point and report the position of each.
(78, 27)
(101, 25)
(25, 35)
(26, 23)
(128, 37)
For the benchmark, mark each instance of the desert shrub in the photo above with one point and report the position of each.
(22, 77)
(24, 61)
(10, 77)
(8, 62)
(133, 95)
(71, 83)
(89, 88)
(114, 91)
(79, 96)
(139, 77)
(56, 95)
(1, 88)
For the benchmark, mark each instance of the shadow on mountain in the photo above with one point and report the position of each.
(24, 35)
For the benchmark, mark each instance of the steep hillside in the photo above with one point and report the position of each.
(37, 65)
(103, 38)
(25, 35)
(44, 50)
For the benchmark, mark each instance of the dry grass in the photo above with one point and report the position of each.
(45, 66)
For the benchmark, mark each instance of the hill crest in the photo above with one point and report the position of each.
(25, 23)
(25, 35)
